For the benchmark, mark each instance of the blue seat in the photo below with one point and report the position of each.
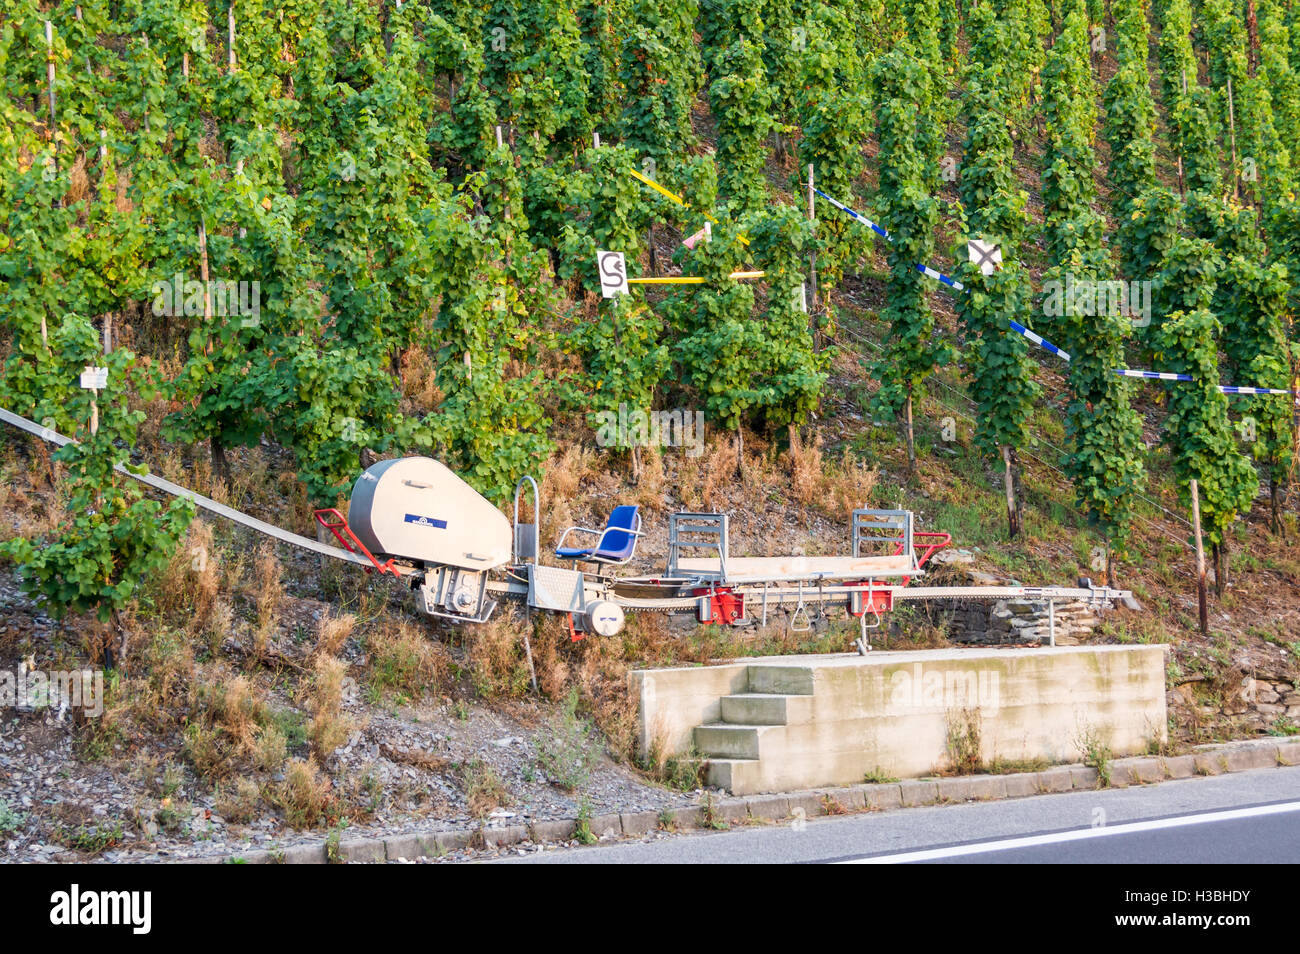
(614, 545)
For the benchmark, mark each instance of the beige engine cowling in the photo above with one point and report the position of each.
(414, 508)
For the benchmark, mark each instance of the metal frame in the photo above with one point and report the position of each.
(529, 546)
(883, 520)
(685, 530)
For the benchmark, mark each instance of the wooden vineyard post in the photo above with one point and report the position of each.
(49, 70)
(1232, 132)
(1200, 560)
(230, 34)
(812, 255)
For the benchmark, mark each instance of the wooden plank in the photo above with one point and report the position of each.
(740, 569)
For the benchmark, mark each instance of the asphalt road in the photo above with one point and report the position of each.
(1246, 817)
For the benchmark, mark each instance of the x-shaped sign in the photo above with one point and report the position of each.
(984, 254)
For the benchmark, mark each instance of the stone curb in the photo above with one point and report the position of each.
(1214, 759)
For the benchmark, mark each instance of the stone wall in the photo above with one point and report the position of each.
(1011, 622)
(1262, 702)
(1002, 622)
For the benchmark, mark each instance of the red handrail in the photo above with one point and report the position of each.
(338, 527)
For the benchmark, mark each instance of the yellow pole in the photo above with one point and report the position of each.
(689, 279)
(673, 196)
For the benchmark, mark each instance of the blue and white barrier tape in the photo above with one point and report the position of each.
(1043, 343)
(1230, 389)
(857, 215)
(1223, 388)
(1040, 341)
(929, 272)
(1153, 375)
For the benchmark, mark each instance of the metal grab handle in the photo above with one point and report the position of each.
(795, 627)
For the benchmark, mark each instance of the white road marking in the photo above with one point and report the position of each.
(1029, 841)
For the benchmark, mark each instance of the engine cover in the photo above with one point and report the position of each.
(414, 508)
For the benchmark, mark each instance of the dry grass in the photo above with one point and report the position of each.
(497, 664)
(654, 478)
(186, 591)
(836, 487)
(419, 377)
(239, 803)
(328, 728)
(333, 632)
(484, 790)
(305, 795)
(404, 660)
(227, 721)
(270, 593)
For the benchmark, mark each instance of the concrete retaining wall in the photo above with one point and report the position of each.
(896, 713)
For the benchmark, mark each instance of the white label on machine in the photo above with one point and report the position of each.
(613, 273)
(94, 379)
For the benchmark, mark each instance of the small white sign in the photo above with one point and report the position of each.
(613, 273)
(94, 379)
(801, 298)
(984, 254)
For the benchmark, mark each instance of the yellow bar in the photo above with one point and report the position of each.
(688, 279)
(678, 199)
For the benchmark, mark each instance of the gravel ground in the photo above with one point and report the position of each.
(410, 757)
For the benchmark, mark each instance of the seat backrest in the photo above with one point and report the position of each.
(617, 543)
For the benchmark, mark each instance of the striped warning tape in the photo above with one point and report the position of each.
(1222, 388)
(879, 230)
(1230, 389)
(929, 272)
(1039, 340)
(884, 234)
(1152, 375)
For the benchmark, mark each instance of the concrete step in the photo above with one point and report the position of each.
(728, 741)
(763, 708)
(781, 680)
(733, 774)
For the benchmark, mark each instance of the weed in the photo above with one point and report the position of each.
(878, 776)
(1001, 766)
(962, 741)
(565, 750)
(170, 816)
(710, 816)
(404, 661)
(1096, 754)
(91, 839)
(484, 790)
(10, 820)
(582, 824)
(1283, 726)
(333, 843)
